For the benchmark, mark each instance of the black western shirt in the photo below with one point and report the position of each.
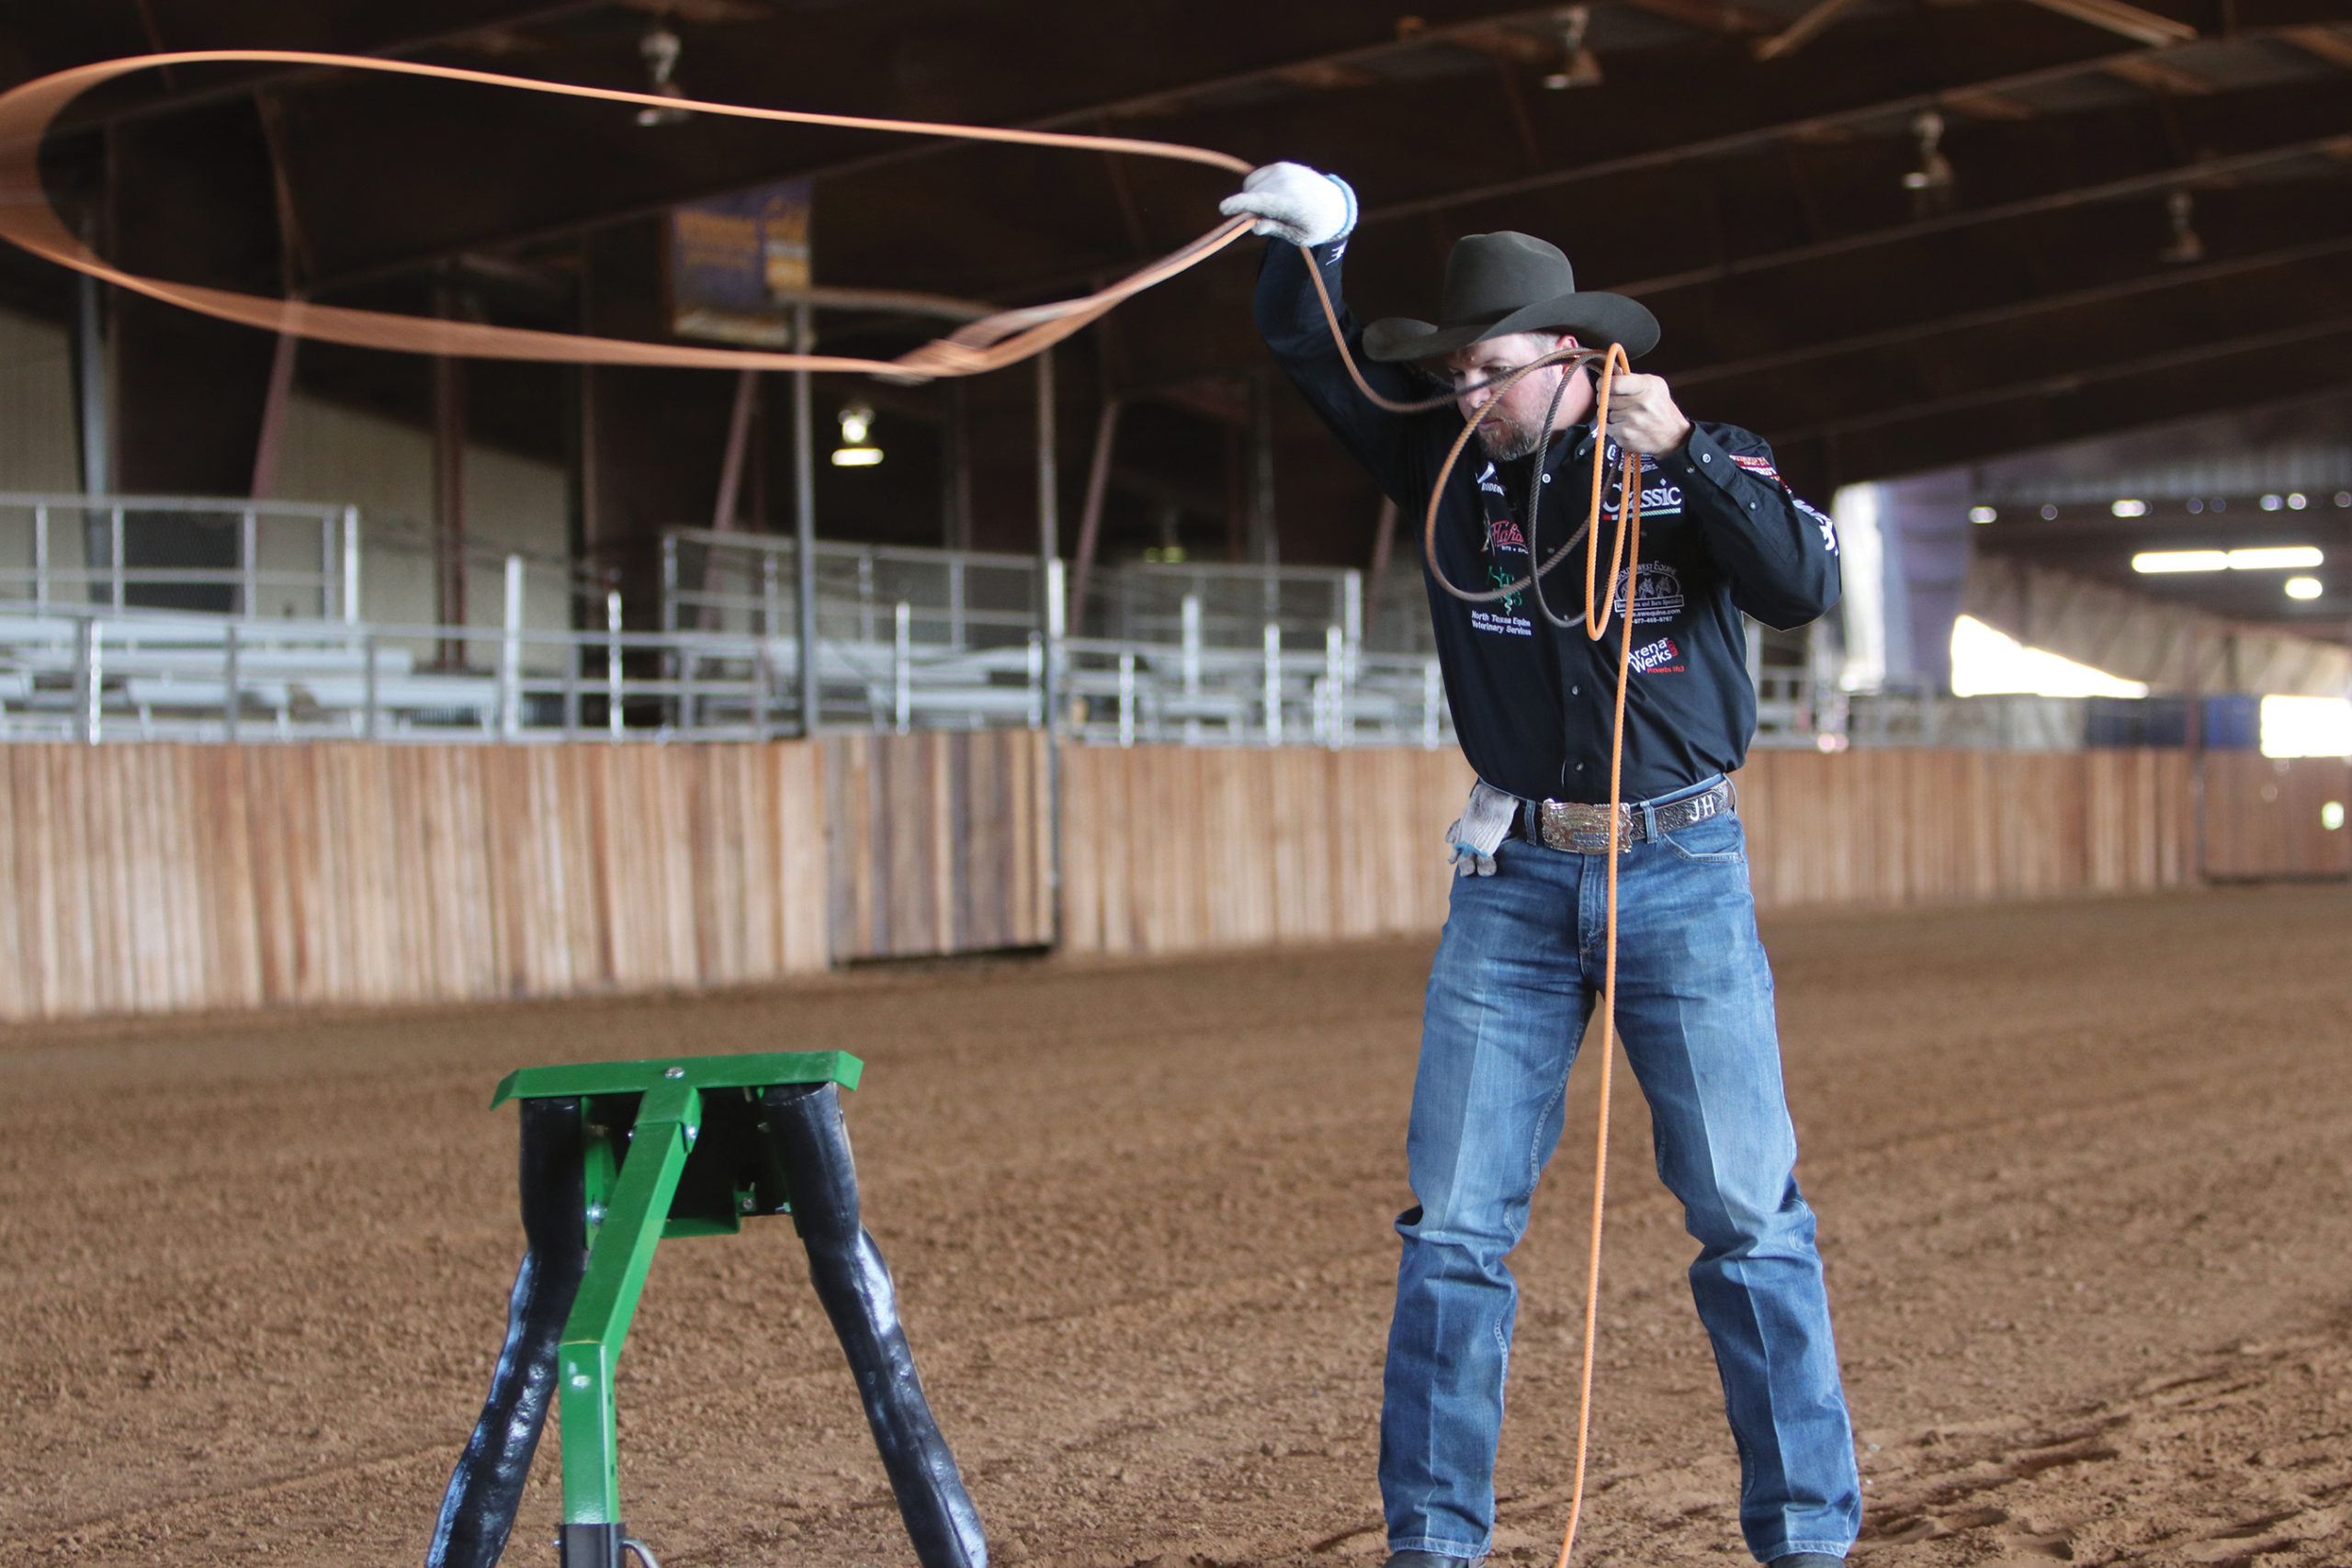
(1721, 534)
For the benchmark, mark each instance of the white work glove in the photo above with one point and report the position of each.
(1293, 202)
(1485, 821)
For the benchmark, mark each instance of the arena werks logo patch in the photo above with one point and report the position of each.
(1659, 657)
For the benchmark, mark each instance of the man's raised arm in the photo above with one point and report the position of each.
(1296, 205)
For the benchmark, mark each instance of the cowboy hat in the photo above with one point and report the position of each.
(1505, 283)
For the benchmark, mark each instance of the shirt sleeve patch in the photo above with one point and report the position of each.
(1758, 466)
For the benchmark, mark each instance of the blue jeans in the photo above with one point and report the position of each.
(1518, 973)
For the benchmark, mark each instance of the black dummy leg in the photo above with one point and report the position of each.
(478, 1511)
(804, 1123)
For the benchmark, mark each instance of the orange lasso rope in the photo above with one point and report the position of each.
(1599, 605)
(26, 221)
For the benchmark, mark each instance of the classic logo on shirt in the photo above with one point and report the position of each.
(1659, 657)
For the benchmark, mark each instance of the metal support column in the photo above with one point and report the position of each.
(90, 421)
(1266, 549)
(1090, 517)
(1051, 608)
(450, 494)
(804, 521)
(730, 488)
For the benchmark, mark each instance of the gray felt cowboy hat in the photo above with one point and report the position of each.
(1500, 284)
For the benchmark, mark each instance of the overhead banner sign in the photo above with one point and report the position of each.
(735, 263)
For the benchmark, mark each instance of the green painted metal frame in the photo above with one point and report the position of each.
(628, 1195)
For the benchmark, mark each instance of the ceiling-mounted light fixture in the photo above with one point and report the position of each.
(661, 47)
(2184, 248)
(2267, 558)
(1579, 66)
(857, 449)
(1930, 183)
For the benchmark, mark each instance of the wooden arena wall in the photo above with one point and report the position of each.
(162, 878)
(1172, 849)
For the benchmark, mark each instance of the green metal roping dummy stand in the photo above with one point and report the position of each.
(615, 1156)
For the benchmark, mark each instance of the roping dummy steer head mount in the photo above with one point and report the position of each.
(615, 1157)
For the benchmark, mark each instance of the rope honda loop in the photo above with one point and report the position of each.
(26, 221)
(1600, 601)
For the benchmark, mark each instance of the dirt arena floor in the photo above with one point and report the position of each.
(2085, 1173)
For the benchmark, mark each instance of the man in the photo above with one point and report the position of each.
(1519, 968)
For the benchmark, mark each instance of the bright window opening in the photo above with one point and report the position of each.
(1985, 662)
(2306, 726)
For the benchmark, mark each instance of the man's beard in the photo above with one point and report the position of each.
(1513, 440)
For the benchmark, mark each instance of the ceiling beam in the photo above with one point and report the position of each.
(2063, 383)
(2330, 44)
(2190, 174)
(2131, 21)
(1799, 32)
(237, 82)
(1811, 127)
(2024, 309)
(1708, 15)
(1334, 70)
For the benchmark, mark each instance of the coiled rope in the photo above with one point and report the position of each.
(27, 221)
(1625, 553)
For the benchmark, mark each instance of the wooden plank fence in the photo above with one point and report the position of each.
(1170, 849)
(1167, 849)
(1902, 826)
(939, 842)
(155, 879)
(2268, 818)
(158, 878)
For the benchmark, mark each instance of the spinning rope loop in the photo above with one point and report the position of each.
(991, 343)
(1005, 338)
(1625, 551)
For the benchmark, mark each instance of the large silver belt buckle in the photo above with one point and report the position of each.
(1581, 829)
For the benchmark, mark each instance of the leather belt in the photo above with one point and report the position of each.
(1580, 829)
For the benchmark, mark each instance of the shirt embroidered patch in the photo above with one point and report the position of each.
(1504, 626)
(1659, 657)
(1820, 521)
(1658, 594)
(1757, 466)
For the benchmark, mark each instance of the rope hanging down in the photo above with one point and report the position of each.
(991, 343)
(1624, 557)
